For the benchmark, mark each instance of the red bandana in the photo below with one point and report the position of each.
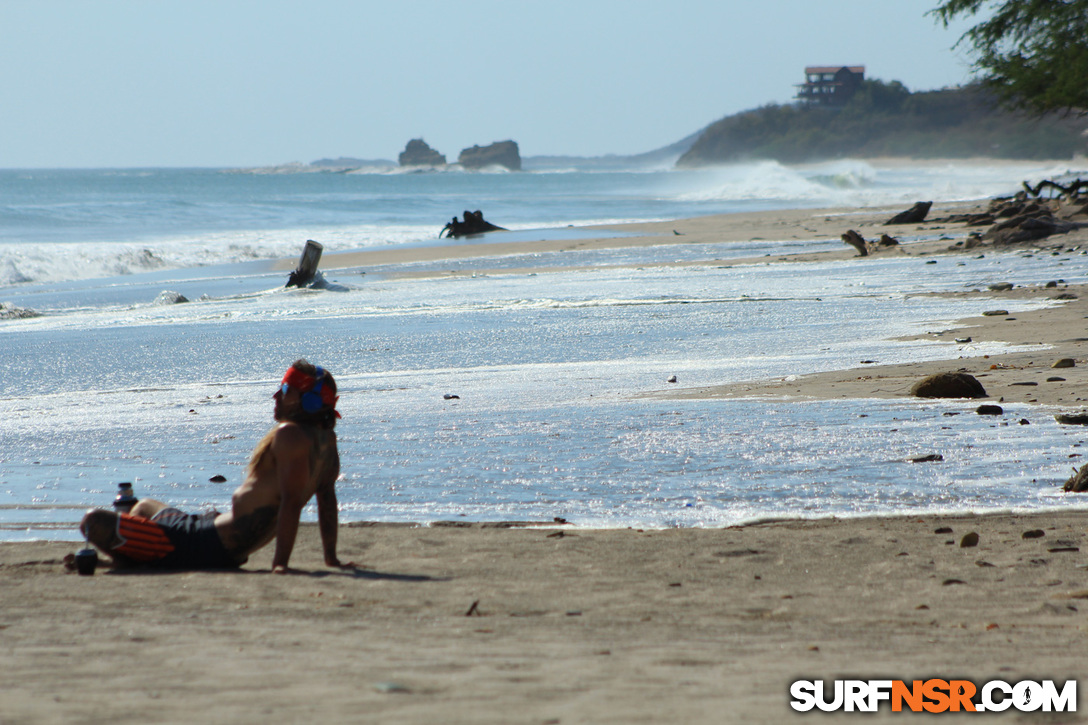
(303, 383)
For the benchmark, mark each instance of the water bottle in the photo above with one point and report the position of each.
(125, 499)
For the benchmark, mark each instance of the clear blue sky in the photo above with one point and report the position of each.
(123, 83)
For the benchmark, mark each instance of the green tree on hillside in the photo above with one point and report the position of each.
(1032, 53)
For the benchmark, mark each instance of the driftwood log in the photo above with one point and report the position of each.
(1069, 190)
(856, 241)
(474, 223)
(307, 265)
(1078, 482)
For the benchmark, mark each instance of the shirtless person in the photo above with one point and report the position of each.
(294, 461)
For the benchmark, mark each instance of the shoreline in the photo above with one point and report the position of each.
(1054, 333)
(484, 624)
(810, 224)
(1026, 375)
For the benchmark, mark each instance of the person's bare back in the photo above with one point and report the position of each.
(289, 466)
(295, 461)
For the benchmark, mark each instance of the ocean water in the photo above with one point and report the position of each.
(551, 370)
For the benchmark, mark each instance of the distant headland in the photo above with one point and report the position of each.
(887, 120)
(836, 113)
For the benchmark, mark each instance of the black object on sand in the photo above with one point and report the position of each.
(86, 561)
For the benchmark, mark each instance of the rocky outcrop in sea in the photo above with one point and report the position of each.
(500, 153)
(418, 153)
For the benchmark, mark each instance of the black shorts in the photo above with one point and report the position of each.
(175, 540)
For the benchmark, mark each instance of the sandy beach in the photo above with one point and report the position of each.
(549, 623)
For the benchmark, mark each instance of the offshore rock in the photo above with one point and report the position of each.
(500, 153)
(948, 385)
(418, 153)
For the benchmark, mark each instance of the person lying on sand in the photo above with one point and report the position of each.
(296, 460)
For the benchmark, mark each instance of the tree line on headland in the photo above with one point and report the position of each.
(1029, 100)
(886, 119)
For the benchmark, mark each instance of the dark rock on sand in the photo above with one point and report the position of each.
(915, 215)
(969, 540)
(948, 385)
(1025, 222)
(990, 410)
(1072, 418)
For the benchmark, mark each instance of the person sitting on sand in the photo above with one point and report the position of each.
(297, 459)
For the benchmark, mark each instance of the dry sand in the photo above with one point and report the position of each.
(552, 624)
(566, 625)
